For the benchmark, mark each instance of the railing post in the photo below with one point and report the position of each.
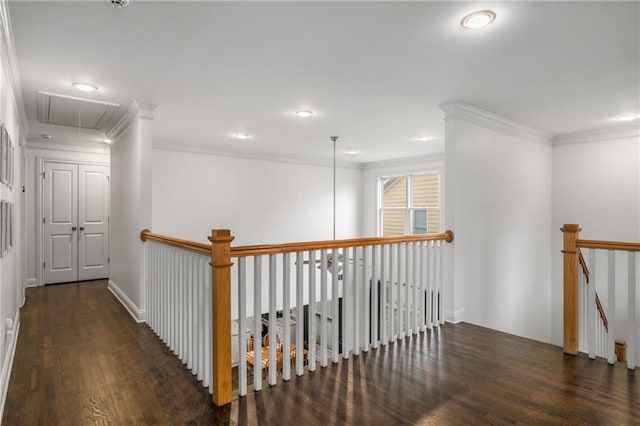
(221, 317)
(570, 292)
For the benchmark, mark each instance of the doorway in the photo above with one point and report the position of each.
(75, 222)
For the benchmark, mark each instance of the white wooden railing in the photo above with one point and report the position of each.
(330, 300)
(178, 285)
(575, 316)
(317, 302)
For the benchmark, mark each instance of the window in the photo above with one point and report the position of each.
(409, 205)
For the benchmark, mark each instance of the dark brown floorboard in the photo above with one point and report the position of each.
(81, 359)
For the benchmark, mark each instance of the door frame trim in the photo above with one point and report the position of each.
(40, 166)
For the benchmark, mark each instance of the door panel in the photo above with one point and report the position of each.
(60, 217)
(93, 216)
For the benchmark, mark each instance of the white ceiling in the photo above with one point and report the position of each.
(374, 73)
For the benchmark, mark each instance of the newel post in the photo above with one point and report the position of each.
(570, 288)
(221, 317)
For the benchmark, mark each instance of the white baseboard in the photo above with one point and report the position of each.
(31, 282)
(139, 315)
(454, 317)
(8, 362)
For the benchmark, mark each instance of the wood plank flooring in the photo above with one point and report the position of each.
(81, 359)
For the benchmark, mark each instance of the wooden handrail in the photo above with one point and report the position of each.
(585, 271)
(176, 242)
(258, 250)
(608, 245)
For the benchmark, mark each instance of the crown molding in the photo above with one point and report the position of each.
(263, 156)
(10, 67)
(135, 111)
(609, 133)
(404, 161)
(80, 148)
(461, 111)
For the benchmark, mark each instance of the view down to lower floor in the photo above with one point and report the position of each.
(81, 359)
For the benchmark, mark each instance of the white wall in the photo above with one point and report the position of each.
(11, 279)
(130, 206)
(597, 186)
(35, 154)
(498, 204)
(260, 201)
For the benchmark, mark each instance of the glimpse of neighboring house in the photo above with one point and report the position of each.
(418, 213)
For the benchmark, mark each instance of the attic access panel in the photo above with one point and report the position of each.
(75, 112)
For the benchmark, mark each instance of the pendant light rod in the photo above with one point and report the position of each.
(334, 139)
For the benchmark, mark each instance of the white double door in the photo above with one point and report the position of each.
(75, 222)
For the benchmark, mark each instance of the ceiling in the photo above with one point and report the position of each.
(374, 73)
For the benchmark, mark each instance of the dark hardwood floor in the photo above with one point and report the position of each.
(81, 359)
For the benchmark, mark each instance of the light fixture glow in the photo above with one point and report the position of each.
(106, 140)
(241, 136)
(424, 138)
(304, 113)
(352, 152)
(478, 19)
(627, 117)
(85, 87)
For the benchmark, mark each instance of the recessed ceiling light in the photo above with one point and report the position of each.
(627, 117)
(85, 87)
(478, 19)
(424, 138)
(119, 3)
(304, 113)
(241, 136)
(352, 152)
(106, 140)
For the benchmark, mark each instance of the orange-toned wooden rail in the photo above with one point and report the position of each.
(147, 235)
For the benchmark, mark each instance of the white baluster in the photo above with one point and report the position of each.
(299, 314)
(273, 327)
(347, 301)
(401, 282)
(242, 326)
(286, 316)
(208, 322)
(406, 331)
(385, 252)
(611, 296)
(631, 313)
(357, 290)
(366, 300)
(393, 301)
(335, 267)
(415, 283)
(313, 331)
(257, 323)
(323, 308)
(375, 296)
(593, 317)
(440, 295)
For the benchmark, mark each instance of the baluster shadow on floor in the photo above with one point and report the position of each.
(82, 359)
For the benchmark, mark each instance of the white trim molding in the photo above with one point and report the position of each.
(418, 160)
(454, 317)
(461, 111)
(139, 315)
(137, 110)
(610, 133)
(8, 361)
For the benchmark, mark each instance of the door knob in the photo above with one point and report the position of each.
(82, 228)
(73, 228)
